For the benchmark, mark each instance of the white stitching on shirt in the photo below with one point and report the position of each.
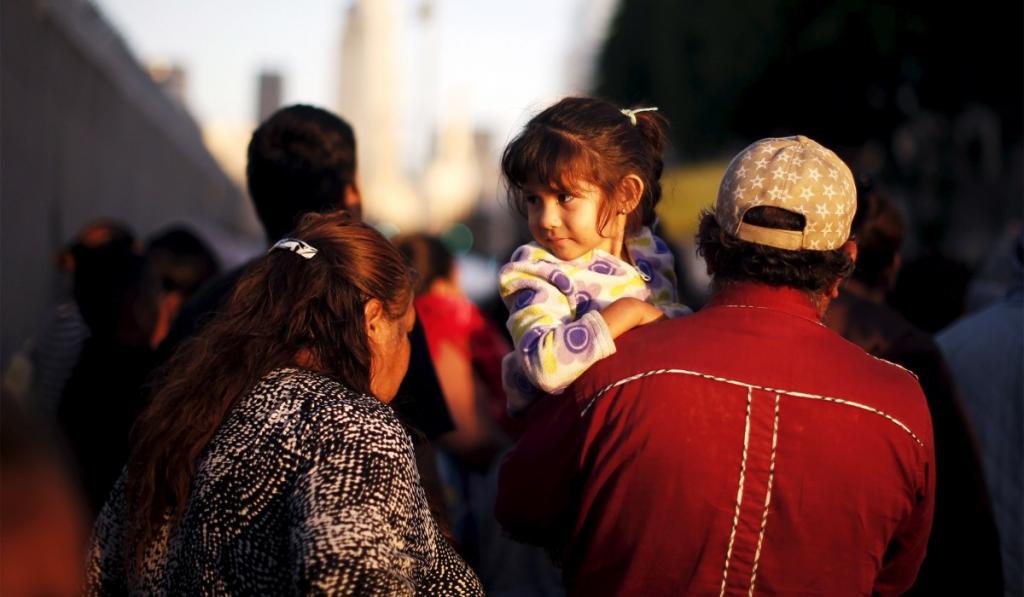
(739, 493)
(626, 380)
(814, 321)
(767, 498)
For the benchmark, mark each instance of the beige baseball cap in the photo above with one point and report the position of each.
(792, 173)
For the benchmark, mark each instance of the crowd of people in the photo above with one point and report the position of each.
(336, 416)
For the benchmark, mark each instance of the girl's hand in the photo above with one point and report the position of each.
(628, 313)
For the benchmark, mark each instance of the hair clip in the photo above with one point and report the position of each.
(300, 248)
(631, 113)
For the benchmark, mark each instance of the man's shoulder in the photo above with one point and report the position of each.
(714, 346)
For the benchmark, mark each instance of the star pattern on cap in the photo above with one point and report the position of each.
(791, 173)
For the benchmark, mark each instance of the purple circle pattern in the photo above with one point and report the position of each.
(531, 340)
(560, 281)
(601, 266)
(583, 303)
(524, 297)
(577, 338)
(645, 268)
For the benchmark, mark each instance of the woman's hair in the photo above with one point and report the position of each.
(283, 307)
(732, 260)
(587, 140)
(428, 256)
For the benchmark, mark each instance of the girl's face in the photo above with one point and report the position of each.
(567, 225)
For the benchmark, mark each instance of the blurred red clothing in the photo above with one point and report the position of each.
(457, 320)
(744, 449)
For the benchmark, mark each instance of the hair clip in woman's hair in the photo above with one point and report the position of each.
(300, 248)
(631, 113)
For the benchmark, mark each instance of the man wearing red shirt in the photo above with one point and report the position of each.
(746, 449)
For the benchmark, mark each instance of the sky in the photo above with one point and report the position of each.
(502, 60)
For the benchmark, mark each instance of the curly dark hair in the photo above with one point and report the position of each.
(732, 260)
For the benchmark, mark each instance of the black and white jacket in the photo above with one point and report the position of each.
(307, 487)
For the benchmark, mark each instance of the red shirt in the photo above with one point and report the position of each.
(746, 449)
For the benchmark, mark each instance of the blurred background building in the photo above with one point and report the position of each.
(923, 98)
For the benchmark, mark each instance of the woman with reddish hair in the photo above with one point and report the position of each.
(269, 461)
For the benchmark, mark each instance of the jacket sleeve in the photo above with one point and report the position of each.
(552, 348)
(906, 550)
(537, 477)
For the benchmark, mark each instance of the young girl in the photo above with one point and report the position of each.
(586, 175)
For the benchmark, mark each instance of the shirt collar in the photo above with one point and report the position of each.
(749, 294)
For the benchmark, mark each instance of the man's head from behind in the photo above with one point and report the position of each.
(782, 218)
(880, 229)
(302, 159)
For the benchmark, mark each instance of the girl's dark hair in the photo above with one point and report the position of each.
(282, 307)
(589, 140)
(732, 260)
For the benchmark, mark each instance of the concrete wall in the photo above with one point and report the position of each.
(85, 133)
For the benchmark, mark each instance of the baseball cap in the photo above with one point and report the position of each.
(796, 174)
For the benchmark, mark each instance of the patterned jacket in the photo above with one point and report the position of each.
(744, 450)
(554, 306)
(307, 487)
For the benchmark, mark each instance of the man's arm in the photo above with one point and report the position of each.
(906, 551)
(537, 480)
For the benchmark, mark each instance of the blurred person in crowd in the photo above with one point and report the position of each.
(745, 449)
(270, 461)
(117, 294)
(42, 524)
(986, 354)
(998, 271)
(586, 176)
(55, 349)
(184, 263)
(963, 511)
(466, 349)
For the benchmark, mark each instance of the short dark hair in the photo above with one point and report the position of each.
(589, 140)
(115, 288)
(183, 261)
(732, 260)
(300, 161)
(879, 228)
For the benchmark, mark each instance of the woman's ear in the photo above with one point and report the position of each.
(374, 317)
(631, 189)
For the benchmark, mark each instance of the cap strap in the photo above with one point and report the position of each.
(790, 240)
